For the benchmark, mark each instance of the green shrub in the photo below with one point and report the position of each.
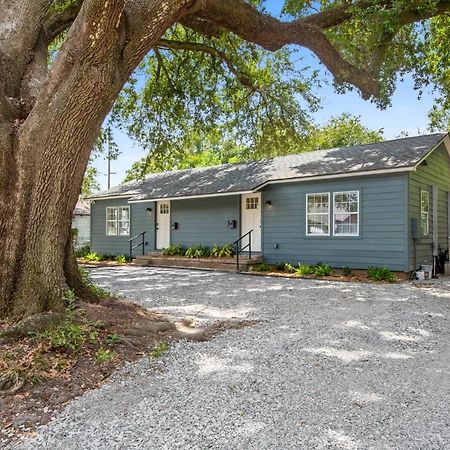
(103, 356)
(83, 251)
(96, 290)
(381, 274)
(263, 267)
(172, 250)
(289, 268)
(224, 251)
(322, 270)
(159, 349)
(347, 271)
(121, 259)
(68, 336)
(70, 299)
(106, 257)
(91, 256)
(113, 339)
(304, 269)
(198, 251)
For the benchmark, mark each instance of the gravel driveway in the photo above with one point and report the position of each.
(329, 365)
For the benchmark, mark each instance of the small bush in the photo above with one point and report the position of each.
(68, 336)
(347, 271)
(198, 251)
(91, 256)
(103, 356)
(381, 274)
(224, 251)
(106, 257)
(83, 251)
(173, 250)
(263, 267)
(289, 268)
(113, 339)
(322, 270)
(70, 299)
(304, 269)
(121, 259)
(159, 349)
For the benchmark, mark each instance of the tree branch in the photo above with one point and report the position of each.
(58, 21)
(270, 33)
(199, 47)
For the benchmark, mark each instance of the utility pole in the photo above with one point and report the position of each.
(109, 159)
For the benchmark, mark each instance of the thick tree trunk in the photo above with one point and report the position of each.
(45, 148)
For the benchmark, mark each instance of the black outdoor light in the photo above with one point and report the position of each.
(268, 203)
(149, 210)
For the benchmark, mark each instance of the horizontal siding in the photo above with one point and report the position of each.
(143, 220)
(435, 173)
(205, 221)
(382, 240)
(100, 242)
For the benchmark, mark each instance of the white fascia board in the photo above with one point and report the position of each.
(187, 197)
(334, 176)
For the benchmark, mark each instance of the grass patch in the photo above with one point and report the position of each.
(159, 349)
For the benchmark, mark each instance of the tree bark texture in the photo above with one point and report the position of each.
(46, 138)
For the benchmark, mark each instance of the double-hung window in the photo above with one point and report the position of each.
(118, 221)
(425, 212)
(346, 213)
(318, 214)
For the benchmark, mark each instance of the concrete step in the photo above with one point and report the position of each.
(221, 264)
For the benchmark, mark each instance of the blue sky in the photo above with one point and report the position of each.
(407, 114)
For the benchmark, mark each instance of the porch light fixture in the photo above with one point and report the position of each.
(268, 203)
(149, 210)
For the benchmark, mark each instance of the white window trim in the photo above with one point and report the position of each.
(307, 214)
(427, 213)
(357, 223)
(117, 220)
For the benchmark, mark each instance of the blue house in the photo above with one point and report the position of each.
(382, 204)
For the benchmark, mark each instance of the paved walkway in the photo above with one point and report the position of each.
(329, 366)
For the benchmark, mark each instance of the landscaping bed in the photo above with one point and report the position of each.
(325, 272)
(75, 351)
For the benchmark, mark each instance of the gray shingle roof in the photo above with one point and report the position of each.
(228, 178)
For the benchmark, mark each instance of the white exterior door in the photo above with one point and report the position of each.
(162, 224)
(251, 219)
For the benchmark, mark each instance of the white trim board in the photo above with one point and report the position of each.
(186, 197)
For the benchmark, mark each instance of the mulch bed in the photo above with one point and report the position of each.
(67, 374)
(358, 276)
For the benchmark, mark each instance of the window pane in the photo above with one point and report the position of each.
(111, 213)
(124, 228)
(164, 208)
(124, 213)
(346, 210)
(318, 224)
(111, 228)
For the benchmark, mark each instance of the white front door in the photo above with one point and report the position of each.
(162, 224)
(251, 220)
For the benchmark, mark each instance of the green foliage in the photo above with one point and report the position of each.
(68, 336)
(121, 259)
(70, 300)
(381, 274)
(289, 268)
(224, 251)
(280, 266)
(198, 251)
(347, 271)
(322, 270)
(173, 250)
(113, 339)
(90, 184)
(96, 290)
(159, 349)
(83, 251)
(263, 267)
(91, 256)
(304, 269)
(103, 356)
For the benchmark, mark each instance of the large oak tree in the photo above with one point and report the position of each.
(51, 110)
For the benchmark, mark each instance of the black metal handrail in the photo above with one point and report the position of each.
(130, 241)
(239, 250)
